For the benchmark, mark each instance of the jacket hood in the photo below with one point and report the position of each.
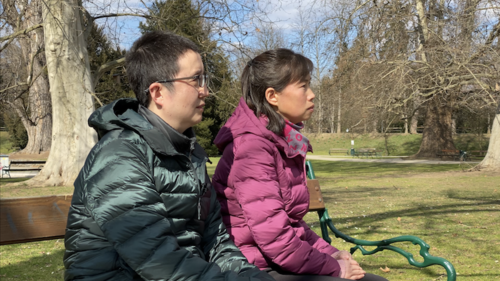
(123, 114)
(243, 121)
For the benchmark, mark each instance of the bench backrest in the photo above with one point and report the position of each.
(316, 201)
(33, 218)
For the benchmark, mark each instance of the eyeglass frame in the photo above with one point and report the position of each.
(199, 76)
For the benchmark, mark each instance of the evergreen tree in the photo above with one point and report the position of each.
(113, 85)
(184, 18)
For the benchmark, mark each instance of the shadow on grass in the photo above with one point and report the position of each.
(11, 180)
(332, 169)
(46, 266)
(412, 145)
(420, 210)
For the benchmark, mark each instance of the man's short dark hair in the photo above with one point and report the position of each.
(154, 57)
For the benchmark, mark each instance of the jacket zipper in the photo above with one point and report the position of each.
(202, 190)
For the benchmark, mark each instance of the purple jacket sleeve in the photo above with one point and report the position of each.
(317, 242)
(255, 180)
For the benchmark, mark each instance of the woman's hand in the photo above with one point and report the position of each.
(342, 255)
(350, 267)
(353, 271)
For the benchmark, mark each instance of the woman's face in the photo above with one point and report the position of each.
(295, 102)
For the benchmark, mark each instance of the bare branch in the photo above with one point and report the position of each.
(21, 32)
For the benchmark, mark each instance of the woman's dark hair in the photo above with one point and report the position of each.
(272, 69)
(153, 57)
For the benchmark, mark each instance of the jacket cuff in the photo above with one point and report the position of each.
(342, 268)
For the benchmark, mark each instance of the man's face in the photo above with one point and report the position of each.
(183, 106)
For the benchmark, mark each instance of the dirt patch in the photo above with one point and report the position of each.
(25, 156)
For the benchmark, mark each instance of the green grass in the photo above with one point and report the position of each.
(5, 144)
(398, 144)
(455, 212)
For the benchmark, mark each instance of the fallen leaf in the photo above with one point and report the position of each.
(386, 269)
(399, 219)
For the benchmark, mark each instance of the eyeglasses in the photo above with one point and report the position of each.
(201, 79)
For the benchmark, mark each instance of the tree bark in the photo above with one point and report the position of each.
(491, 161)
(339, 127)
(71, 88)
(414, 122)
(35, 111)
(437, 133)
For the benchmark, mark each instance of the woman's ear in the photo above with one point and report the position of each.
(272, 96)
(156, 95)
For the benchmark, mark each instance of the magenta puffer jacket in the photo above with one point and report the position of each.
(263, 196)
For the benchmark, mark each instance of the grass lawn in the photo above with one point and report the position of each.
(398, 144)
(455, 212)
(5, 144)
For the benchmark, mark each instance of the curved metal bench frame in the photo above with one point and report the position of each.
(326, 223)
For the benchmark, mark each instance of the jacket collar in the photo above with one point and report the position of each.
(124, 114)
(243, 121)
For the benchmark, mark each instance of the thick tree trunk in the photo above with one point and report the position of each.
(39, 124)
(35, 111)
(71, 88)
(492, 159)
(437, 133)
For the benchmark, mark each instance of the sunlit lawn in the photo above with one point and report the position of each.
(456, 212)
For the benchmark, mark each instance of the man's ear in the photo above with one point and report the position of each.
(272, 96)
(156, 95)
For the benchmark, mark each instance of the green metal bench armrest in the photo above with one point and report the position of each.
(326, 222)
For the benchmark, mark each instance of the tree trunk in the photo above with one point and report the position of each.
(414, 122)
(35, 112)
(71, 88)
(406, 123)
(489, 125)
(437, 133)
(339, 128)
(491, 161)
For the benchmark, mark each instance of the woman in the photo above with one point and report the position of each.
(260, 179)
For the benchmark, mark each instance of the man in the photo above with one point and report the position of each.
(143, 206)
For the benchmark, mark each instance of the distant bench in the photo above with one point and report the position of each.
(450, 153)
(457, 155)
(367, 152)
(338, 151)
(22, 165)
(474, 154)
(28, 219)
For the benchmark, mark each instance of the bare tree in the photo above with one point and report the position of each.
(25, 86)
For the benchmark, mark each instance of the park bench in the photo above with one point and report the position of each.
(394, 130)
(366, 152)
(338, 151)
(474, 154)
(316, 204)
(30, 219)
(7, 165)
(457, 155)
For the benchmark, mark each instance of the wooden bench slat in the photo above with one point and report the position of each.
(316, 201)
(33, 218)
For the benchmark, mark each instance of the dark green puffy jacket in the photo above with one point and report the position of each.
(143, 211)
